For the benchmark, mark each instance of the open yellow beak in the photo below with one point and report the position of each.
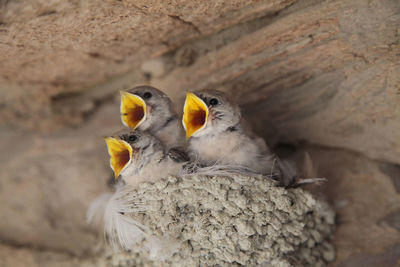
(133, 110)
(120, 154)
(195, 114)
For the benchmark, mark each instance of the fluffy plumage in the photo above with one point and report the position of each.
(150, 161)
(147, 161)
(223, 140)
(124, 233)
(95, 212)
(120, 230)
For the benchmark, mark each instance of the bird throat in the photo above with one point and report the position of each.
(120, 154)
(133, 116)
(133, 110)
(195, 114)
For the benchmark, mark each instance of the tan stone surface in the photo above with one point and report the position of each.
(323, 72)
(367, 206)
(316, 73)
(53, 49)
(21, 257)
(48, 181)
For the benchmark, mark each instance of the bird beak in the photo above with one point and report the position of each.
(133, 110)
(195, 114)
(120, 154)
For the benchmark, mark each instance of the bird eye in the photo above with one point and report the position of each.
(132, 138)
(213, 101)
(147, 95)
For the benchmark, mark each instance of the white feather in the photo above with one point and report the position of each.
(311, 181)
(121, 230)
(232, 148)
(220, 170)
(97, 208)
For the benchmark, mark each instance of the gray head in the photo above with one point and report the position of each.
(145, 108)
(131, 150)
(223, 113)
(143, 143)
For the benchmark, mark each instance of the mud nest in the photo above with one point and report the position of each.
(235, 220)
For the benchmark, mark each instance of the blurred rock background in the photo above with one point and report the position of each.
(310, 75)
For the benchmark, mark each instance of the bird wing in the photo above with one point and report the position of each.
(178, 155)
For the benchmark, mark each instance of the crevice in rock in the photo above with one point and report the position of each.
(207, 43)
(392, 219)
(74, 104)
(3, 3)
(47, 13)
(189, 23)
(140, 9)
(393, 171)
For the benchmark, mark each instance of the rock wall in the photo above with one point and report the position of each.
(305, 71)
(322, 71)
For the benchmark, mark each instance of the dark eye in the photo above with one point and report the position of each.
(132, 138)
(213, 101)
(147, 95)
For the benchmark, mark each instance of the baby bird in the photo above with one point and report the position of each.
(148, 109)
(213, 123)
(138, 156)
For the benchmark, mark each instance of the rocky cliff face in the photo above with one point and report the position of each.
(320, 72)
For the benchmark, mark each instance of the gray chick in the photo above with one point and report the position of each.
(213, 123)
(138, 156)
(148, 109)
